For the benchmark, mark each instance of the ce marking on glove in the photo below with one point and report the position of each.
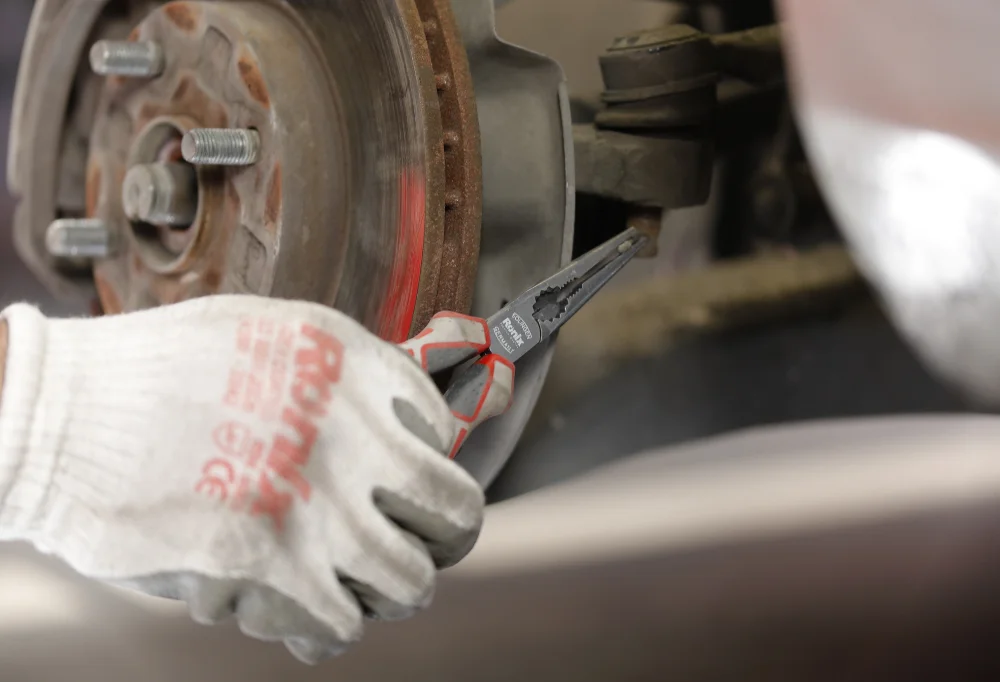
(261, 474)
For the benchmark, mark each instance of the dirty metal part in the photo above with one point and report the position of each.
(658, 78)
(528, 202)
(461, 157)
(221, 147)
(360, 56)
(161, 194)
(666, 172)
(396, 145)
(645, 319)
(236, 68)
(649, 221)
(229, 64)
(57, 37)
(140, 59)
(79, 238)
(383, 72)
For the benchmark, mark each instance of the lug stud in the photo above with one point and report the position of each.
(124, 58)
(221, 147)
(79, 238)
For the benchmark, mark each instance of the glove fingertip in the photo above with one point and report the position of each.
(312, 652)
(448, 534)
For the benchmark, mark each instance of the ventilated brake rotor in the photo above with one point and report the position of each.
(404, 161)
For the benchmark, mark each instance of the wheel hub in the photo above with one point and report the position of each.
(283, 225)
(225, 67)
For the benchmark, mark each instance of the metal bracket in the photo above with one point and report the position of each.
(529, 194)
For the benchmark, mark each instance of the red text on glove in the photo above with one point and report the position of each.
(272, 469)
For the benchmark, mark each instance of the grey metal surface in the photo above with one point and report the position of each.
(139, 59)
(221, 147)
(528, 202)
(903, 131)
(57, 40)
(657, 78)
(79, 238)
(668, 171)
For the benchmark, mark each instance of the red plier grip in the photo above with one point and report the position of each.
(479, 392)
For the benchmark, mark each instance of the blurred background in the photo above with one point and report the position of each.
(908, 596)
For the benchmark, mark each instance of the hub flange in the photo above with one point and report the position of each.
(226, 65)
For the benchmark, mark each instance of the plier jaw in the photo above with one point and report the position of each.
(484, 388)
(540, 311)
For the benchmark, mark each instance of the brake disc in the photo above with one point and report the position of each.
(351, 202)
(409, 161)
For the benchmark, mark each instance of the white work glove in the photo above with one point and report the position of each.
(245, 455)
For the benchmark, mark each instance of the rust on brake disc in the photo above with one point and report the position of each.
(368, 192)
(460, 155)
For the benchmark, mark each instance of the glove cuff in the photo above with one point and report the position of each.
(23, 479)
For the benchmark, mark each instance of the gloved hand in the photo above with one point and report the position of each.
(245, 455)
